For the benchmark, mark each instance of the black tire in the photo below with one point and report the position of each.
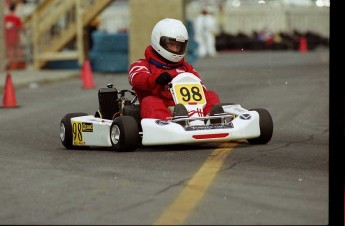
(124, 133)
(66, 135)
(266, 127)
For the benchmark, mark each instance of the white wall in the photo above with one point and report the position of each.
(275, 15)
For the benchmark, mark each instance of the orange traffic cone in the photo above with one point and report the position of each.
(9, 99)
(86, 75)
(303, 46)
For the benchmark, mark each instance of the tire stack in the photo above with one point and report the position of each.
(109, 52)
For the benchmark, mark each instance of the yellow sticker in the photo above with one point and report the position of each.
(189, 94)
(77, 129)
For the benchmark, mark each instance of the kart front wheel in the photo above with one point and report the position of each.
(266, 127)
(124, 133)
(66, 133)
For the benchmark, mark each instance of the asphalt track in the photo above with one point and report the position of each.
(285, 182)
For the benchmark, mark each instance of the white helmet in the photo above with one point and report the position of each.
(170, 31)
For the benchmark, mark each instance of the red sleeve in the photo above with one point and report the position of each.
(140, 77)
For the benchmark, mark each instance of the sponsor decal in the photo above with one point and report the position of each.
(210, 127)
(245, 116)
(87, 127)
(180, 71)
(161, 122)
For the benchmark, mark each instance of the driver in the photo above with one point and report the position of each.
(164, 59)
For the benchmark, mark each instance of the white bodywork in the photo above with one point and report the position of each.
(158, 132)
(155, 133)
(96, 135)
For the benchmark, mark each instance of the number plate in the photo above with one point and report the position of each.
(189, 94)
(77, 129)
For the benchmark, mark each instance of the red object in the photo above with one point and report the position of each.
(14, 53)
(210, 136)
(303, 46)
(13, 26)
(86, 75)
(9, 99)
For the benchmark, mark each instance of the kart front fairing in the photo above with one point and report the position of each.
(186, 88)
(159, 132)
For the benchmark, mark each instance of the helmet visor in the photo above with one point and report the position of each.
(173, 46)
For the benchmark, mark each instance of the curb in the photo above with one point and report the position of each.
(20, 81)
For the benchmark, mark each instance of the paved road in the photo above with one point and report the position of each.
(283, 182)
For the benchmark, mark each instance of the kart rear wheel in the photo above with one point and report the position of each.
(66, 135)
(124, 133)
(266, 127)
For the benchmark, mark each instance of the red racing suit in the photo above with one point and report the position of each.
(154, 99)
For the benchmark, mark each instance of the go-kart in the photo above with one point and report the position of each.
(118, 125)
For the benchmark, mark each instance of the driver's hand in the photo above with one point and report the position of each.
(163, 79)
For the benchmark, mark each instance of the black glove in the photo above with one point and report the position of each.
(163, 78)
